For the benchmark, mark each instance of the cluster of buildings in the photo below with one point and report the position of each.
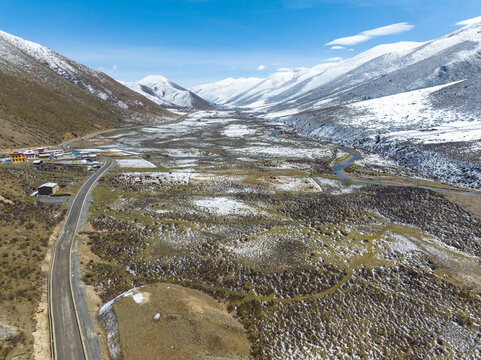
(45, 153)
(37, 153)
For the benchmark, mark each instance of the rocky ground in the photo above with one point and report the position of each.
(311, 266)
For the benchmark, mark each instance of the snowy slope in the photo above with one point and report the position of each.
(167, 93)
(255, 95)
(383, 70)
(412, 116)
(221, 92)
(308, 80)
(417, 104)
(46, 97)
(262, 93)
(22, 57)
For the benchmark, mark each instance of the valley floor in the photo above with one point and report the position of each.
(310, 266)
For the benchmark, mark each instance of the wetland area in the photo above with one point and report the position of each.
(239, 237)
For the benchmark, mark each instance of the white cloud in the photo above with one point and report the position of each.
(114, 68)
(389, 30)
(261, 67)
(337, 47)
(334, 59)
(369, 34)
(283, 69)
(471, 21)
(350, 40)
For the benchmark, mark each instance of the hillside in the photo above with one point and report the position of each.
(168, 94)
(44, 97)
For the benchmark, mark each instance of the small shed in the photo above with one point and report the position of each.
(48, 189)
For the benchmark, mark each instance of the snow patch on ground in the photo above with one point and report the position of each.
(374, 159)
(237, 130)
(285, 151)
(135, 163)
(138, 298)
(402, 244)
(285, 183)
(224, 206)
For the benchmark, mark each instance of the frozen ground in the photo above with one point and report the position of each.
(135, 163)
(224, 206)
(237, 130)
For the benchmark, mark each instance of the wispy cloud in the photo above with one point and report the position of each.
(337, 47)
(471, 21)
(369, 34)
(334, 59)
(261, 67)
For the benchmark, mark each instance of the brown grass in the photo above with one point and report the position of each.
(192, 325)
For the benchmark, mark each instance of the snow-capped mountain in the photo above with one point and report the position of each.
(168, 94)
(380, 71)
(221, 92)
(51, 88)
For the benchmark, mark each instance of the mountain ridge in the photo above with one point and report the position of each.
(95, 100)
(324, 84)
(169, 94)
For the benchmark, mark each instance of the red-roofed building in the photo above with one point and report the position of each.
(16, 156)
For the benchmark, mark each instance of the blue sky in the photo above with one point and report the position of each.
(198, 41)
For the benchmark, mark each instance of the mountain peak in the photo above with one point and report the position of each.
(167, 93)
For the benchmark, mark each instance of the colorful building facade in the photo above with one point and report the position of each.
(16, 156)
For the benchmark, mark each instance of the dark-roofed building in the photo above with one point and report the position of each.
(48, 189)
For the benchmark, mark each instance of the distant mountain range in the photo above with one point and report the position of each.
(168, 94)
(381, 71)
(46, 97)
(417, 103)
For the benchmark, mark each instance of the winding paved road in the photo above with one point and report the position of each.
(66, 334)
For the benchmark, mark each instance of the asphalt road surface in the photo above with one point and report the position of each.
(66, 335)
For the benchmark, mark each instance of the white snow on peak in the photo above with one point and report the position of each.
(158, 80)
(323, 73)
(221, 92)
(289, 89)
(255, 92)
(162, 91)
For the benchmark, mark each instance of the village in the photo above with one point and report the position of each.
(42, 155)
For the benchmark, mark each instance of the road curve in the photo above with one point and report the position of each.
(67, 339)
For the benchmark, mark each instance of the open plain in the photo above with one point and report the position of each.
(311, 266)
